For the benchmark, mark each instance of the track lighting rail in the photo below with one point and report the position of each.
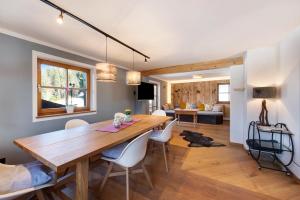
(92, 26)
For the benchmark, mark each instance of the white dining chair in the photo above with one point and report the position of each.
(74, 123)
(159, 113)
(163, 137)
(127, 155)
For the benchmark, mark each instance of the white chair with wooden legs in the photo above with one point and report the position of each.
(159, 113)
(74, 123)
(163, 137)
(127, 155)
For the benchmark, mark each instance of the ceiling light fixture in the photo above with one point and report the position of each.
(197, 76)
(106, 72)
(60, 18)
(133, 77)
(146, 60)
(65, 12)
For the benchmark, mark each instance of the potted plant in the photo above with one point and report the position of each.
(128, 117)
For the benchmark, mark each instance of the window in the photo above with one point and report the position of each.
(60, 85)
(223, 93)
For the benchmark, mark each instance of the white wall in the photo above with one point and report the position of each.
(237, 103)
(289, 105)
(261, 69)
(276, 66)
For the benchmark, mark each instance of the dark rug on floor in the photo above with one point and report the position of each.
(199, 140)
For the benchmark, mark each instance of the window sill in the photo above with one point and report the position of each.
(63, 115)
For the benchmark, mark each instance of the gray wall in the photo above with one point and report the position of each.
(16, 95)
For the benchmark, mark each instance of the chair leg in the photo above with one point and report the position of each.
(127, 184)
(106, 176)
(167, 147)
(165, 157)
(40, 195)
(147, 175)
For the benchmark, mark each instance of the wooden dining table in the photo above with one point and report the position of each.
(62, 149)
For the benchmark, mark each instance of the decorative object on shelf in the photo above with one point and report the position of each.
(277, 141)
(133, 77)
(106, 72)
(264, 93)
(128, 117)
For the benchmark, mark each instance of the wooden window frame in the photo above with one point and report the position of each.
(55, 111)
(222, 102)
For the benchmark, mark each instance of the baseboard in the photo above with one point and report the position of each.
(236, 144)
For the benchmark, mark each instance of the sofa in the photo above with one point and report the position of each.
(206, 117)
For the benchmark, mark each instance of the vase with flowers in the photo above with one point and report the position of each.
(128, 117)
(70, 107)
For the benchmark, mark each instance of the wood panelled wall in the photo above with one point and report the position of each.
(198, 92)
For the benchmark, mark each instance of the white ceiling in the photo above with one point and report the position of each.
(212, 74)
(171, 32)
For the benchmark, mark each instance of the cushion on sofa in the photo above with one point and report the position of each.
(171, 106)
(18, 177)
(217, 108)
(201, 107)
(166, 106)
(182, 105)
(39, 173)
(208, 107)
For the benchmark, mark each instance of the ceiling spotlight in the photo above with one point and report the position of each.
(146, 59)
(60, 18)
(197, 76)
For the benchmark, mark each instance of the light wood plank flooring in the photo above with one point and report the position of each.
(198, 173)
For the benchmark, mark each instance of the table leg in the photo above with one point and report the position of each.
(82, 173)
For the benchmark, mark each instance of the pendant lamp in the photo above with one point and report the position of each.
(106, 72)
(133, 77)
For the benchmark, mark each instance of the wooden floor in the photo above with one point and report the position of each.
(198, 173)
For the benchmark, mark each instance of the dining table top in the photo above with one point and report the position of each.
(64, 148)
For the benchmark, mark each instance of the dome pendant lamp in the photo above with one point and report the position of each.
(106, 72)
(133, 77)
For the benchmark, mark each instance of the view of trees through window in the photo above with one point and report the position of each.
(60, 86)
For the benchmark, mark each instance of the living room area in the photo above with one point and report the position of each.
(150, 100)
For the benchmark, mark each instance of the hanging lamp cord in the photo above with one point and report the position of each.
(106, 51)
(133, 60)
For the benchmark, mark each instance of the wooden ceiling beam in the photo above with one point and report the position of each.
(215, 64)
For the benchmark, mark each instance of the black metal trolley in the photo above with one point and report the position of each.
(273, 141)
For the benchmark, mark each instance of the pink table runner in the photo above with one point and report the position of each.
(111, 129)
